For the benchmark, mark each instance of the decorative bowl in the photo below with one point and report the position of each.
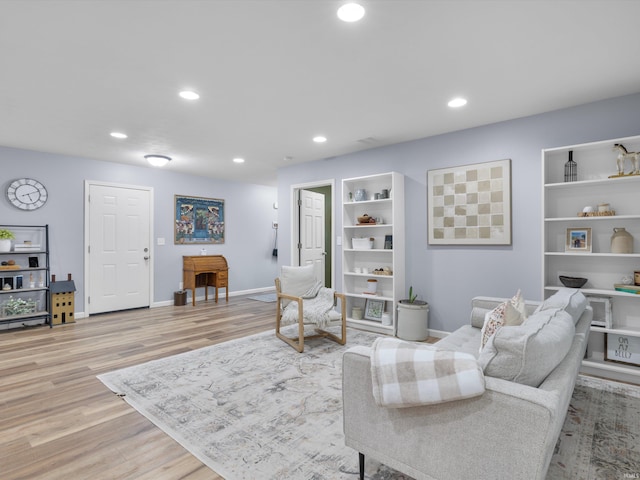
(365, 219)
(573, 282)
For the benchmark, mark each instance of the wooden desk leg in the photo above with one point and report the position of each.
(206, 293)
(193, 296)
(226, 289)
(216, 293)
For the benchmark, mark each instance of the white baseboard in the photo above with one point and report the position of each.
(167, 303)
(437, 333)
(163, 303)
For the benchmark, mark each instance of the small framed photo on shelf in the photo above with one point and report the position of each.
(374, 309)
(622, 349)
(578, 240)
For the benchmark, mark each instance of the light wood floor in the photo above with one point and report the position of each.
(58, 421)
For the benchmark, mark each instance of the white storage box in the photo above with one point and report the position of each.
(362, 243)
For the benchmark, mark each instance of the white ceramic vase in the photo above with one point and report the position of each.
(5, 245)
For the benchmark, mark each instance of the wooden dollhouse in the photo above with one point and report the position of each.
(62, 296)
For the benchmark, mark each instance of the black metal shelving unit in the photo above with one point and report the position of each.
(27, 295)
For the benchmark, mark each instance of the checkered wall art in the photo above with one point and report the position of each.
(470, 204)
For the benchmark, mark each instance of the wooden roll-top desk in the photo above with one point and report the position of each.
(205, 271)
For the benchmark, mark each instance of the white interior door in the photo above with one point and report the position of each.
(118, 248)
(312, 247)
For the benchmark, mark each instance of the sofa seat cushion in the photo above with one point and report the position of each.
(527, 353)
(465, 339)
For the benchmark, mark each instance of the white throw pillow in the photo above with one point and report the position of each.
(297, 281)
(511, 312)
(528, 353)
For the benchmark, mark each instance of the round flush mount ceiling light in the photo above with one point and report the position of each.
(319, 139)
(351, 12)
(189, 95)
(457, 102)
(158, 160)
(118, 135)
(238, 160)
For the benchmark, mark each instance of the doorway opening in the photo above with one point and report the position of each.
(312, 219)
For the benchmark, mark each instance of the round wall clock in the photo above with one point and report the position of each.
(27, 194)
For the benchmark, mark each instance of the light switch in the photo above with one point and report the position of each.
(160, 241)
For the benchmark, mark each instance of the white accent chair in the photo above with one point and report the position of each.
(292, 284)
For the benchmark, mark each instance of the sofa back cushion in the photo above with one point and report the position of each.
(571, 300)
(529, 352)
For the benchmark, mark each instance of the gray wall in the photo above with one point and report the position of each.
(445, 276)
(249, 216)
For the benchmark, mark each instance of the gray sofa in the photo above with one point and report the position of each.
(508, 432)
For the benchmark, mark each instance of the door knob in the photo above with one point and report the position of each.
(146, 258)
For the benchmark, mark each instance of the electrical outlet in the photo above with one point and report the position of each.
(275, 225)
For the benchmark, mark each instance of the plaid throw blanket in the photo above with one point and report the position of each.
(407, 374)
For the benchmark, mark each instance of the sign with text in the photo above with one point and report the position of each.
(622, 349)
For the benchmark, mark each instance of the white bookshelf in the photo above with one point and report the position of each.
(562, 202)
(390, 288)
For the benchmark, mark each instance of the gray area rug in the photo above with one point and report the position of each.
(267, 297)
(254, 408)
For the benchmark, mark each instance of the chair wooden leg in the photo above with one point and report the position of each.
(296, 343)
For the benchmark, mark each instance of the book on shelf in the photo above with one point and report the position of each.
(26, 247)
(620, 287)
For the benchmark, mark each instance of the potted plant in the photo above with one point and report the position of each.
(5, 239)
(413, 318)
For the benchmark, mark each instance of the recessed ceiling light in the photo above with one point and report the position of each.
(118, 135)
(351, 12)
(238, 160)
(457, 102)
(158, 160)
(319, 139)
(189, 95)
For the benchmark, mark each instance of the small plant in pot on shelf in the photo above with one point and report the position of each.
(5, 239)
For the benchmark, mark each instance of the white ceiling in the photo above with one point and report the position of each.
(273, 74)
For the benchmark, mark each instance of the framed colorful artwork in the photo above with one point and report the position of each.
(373, 309)
(198, 220)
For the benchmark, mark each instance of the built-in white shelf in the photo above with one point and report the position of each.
(562, 203)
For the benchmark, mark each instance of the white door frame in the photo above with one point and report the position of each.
(87, 185)
(295, 221)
